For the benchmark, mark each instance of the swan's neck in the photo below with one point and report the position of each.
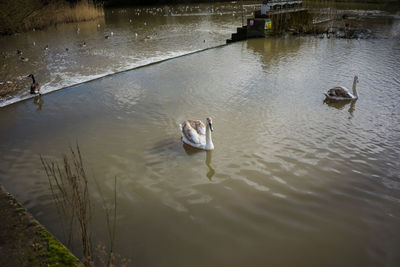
(209, 143)
(354, 88)
(33, 79)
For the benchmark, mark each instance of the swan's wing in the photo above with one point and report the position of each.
(339, 91)
(192, 136)
(190, 133)
(198, 126)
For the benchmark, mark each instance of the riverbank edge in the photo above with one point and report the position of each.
(26, 242)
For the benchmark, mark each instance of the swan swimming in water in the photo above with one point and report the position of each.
(196, 134)
(340, 93)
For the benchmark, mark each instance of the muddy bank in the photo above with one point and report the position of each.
(27, 15)
(25, 242)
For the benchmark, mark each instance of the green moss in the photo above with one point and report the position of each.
(19, 210)
(33, 223)
(58, 254)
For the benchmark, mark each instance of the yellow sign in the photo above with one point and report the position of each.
(268, 24)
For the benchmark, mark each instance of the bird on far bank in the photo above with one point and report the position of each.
(35, 86)
(340, 93)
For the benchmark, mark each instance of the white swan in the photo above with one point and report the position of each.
(196, 134)
(340, 93)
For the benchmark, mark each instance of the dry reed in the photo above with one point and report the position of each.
(24, 15)
(69, 187)
(70, 190)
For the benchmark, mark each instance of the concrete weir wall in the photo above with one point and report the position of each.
(25, 242)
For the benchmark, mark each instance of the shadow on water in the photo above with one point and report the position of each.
(341, 105)
(190, 151)
(168, 146)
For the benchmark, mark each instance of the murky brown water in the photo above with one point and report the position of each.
(292, 181)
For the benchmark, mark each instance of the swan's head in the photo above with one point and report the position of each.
(209, 122)
(356, 78)
(30, 75)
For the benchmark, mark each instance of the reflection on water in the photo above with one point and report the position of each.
(38, 101)
(191, 151)
(342, 104)
(211, 171)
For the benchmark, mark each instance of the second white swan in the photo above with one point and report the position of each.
(340, 93)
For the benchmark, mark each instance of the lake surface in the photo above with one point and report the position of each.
(293, 181)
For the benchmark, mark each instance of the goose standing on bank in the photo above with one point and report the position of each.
(340, 93)
(35, 87)
(196, 134)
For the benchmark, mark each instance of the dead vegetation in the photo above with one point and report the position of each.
(69, 185)
(25, 15)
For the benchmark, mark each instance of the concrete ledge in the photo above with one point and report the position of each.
(25, 242)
